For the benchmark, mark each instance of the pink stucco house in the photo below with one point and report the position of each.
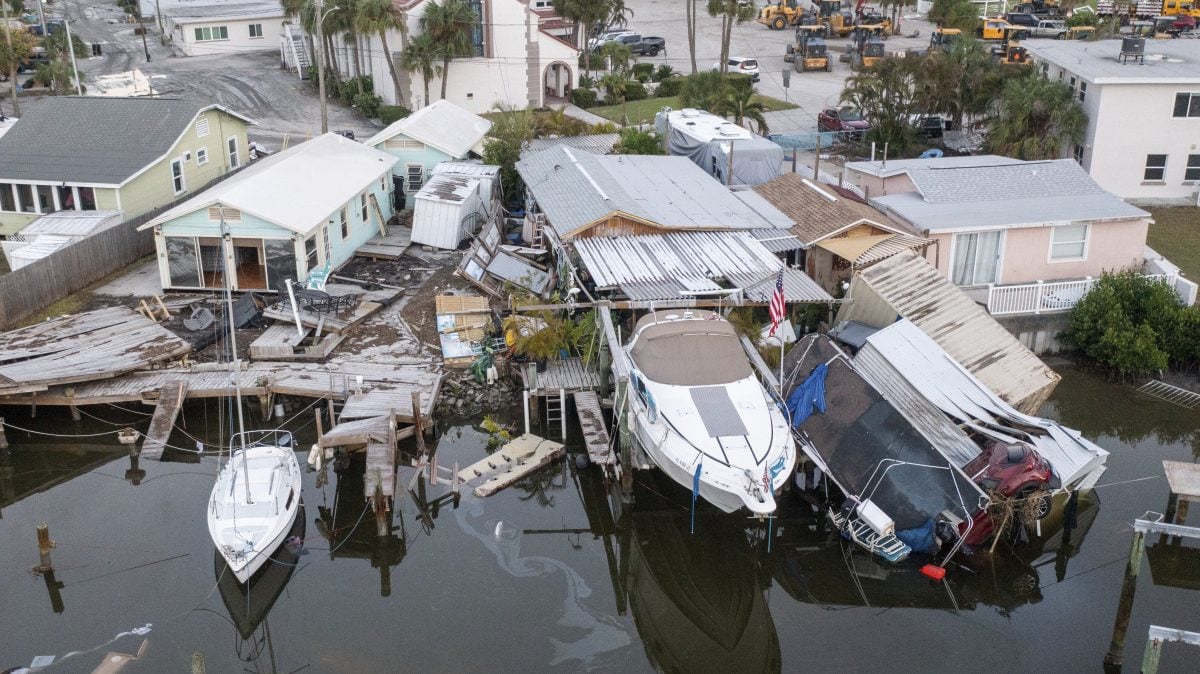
(1026, 236)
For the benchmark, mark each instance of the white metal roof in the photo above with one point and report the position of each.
(891, 167)
(184, 14)
(296, 189)
(706, 126)
(72, 223)
(40, 247)
(441, 125)
(448, 188)
(1165, 62)
(683, 264)
(952, 389)
(467, 168)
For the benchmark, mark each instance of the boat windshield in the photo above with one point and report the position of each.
(690, 353)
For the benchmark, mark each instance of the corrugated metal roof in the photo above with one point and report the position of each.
(574, 188)
(72, 223)
(448, 188)
(916, 291)
(670, 266)
(889, 247)
(441, 125)
(596, 143)
(777, 240)
(466, 168)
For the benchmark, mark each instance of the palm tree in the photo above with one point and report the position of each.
(731, 12)
(1037, 118)
(378, 17)
(450, 25)
(740, 103)
(614, 83)
(885, 95)
(421, 57)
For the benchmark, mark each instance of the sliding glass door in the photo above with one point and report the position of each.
(977, 258)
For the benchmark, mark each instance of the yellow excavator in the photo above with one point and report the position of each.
(1011, 51)
(810, 51)
(781, 14)
(944, 38)
(868, 48)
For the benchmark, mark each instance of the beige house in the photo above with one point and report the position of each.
(133, 155)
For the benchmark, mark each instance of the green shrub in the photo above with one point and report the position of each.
(643, 71)
(636, 141)
(663, 72)
(368, 104)
(586, 81)
(635, 91)
(391, 113)
(584, 98)
(669, 87)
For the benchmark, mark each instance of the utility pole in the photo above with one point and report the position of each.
(142, 23)
(162, 32)
(42, 19)
(321, 65)
(12, 79)
(71, 49)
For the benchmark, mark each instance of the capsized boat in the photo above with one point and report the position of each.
(695, 405)
(255, 500)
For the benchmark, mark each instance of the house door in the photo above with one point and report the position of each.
(212, 262)
(250, 265)
(976, 258)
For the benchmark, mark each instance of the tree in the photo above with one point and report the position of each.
(449, 24)
(690, 6)
(959, 82)
(703, 90)
(885, 96)
(739, 102)
(1036, 119)
(636, 141)
(378, 17)
(731, 12)
(511, 129)
(15, 48)
(421, 57)
(960, 14)
(614, 84)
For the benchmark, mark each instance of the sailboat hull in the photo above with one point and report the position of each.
(246, 532)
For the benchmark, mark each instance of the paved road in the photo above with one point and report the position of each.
(252, 83)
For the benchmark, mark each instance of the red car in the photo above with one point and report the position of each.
(843, 119)
(1184, 22)
(1011, 470)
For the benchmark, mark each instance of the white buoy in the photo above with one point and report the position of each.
(315, 457)
(279, 410)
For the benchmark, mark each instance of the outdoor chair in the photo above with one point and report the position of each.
(200, 319)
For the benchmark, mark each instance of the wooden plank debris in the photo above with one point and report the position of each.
(595, 433)
(170, 400)
(518, 458)
(280, 341)
(386, 247)
(370, 302)
(568, 374)
(380, 472)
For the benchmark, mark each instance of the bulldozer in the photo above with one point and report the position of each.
(810, 51)
(867, 48)
(781, 14)
(1011, 51)
(944, 38)
(836, 20)
(877, 23)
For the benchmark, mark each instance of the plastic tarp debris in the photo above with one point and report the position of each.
(920, 539)
(809, 394)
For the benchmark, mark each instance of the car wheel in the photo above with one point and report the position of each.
(1043, 500)
(1061, 36)
(778, 23)
(1025, 584)
(654, 51)
(828, 66)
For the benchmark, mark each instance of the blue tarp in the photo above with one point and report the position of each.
(920, 539)
(809, 394)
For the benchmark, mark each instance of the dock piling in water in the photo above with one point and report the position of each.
(44, 546)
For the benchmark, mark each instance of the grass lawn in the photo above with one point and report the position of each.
(1176, 235)
(643, 111)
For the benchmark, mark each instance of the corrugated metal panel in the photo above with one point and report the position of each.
(797, 287)
(72, 223)
(891, 246)
(440, 209)
(777, 240)
(916, 291)
(597, 143)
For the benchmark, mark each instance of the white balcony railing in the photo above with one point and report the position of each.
(1042, 297)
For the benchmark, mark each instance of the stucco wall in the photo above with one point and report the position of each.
(184, 35)
(873, 186)
(1025, 256)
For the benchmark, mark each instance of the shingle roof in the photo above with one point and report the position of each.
(1001, 182)
(441, 125)
(93, 139)
(817, 211)
(575, 188)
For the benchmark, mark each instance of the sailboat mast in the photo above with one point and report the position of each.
(227, 255)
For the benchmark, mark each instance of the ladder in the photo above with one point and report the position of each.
(539, 221)
(556, 412)
(1171, 393)
(295, 40)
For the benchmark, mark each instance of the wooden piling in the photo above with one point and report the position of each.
(320, 431)
(198, 663)
(44, 546)
(418, 422)
(264, 407)
(75, 416)
(380, 504)
(3, 437)
(1116, 648)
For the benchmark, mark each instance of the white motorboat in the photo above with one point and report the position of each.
(254, 501)
(695, 403)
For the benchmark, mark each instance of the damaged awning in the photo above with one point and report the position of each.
(861, 251)
(904, 349)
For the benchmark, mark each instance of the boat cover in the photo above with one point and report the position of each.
(689, 352)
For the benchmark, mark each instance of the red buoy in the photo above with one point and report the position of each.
(933, 572)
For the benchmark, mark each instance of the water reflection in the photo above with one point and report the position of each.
(348, 525)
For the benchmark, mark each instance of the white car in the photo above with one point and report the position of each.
(744, 65)
(606, 37)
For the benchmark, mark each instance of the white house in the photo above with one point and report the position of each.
(1143, 114)
(223, 28)
(518, 62)
(304, 209)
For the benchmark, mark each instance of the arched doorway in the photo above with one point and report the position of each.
(557, 80)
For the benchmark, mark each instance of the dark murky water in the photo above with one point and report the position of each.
(538, 577)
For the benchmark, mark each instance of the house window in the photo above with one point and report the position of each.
(177, 181)
(183, 268)
(25, 197)
(1069, 242)
(976, 258)
(1192, 172)
(1156, 167)
(1187, 105)
(87, 198)
(477, 46)
(362, 203)
(255, 30)
(210, 33)
(416, 176)
(344, 222)
(1078, 154)
(1082, 90)
(66, 198)
(8, 200)
(201, 156)
(202, 127)
(231, 143)
(45, 195)
(310, 252)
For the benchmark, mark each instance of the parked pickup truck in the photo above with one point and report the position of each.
(648, 46)
(1049, 28)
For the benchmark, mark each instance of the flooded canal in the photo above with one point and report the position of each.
(538, 578)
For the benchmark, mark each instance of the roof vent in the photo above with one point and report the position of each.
(689, 112)
(729, 130)
(1132, 49)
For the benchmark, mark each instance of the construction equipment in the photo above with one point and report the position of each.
(868, 48)
(1011, 51)
(837, 21)
(810, 51)
(1178, 7)
(1039, 8)
(876, 23)
(944, 38)
(1079, 33)
(781, 14)
(999, 30)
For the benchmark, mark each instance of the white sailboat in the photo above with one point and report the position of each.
(257, 493)
(696, 405)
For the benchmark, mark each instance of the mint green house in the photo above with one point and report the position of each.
(438, 132)
(133, 155)
(304, 209)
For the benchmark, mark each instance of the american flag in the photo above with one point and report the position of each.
(777, 306)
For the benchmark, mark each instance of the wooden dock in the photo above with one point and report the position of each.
(370, 302)
(379, 478)
(517, 459)
(386, 247)
(83, 347)
(281, 342)
(595, 433)
(565, 374)
(170, 400)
